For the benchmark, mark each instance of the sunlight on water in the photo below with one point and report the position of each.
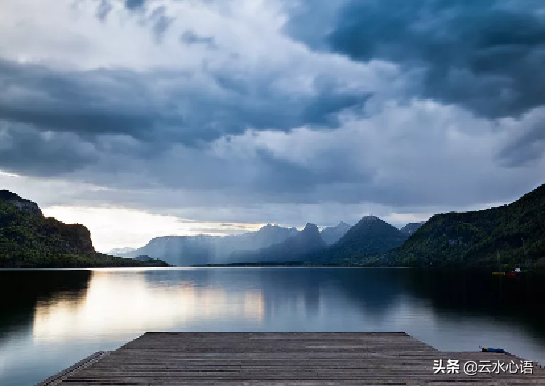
(115, 303)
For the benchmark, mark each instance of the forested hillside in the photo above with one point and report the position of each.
(370, 236)
(514, 232)
(28, 239)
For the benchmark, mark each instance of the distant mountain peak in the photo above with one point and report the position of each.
(411, 227)
(310, 227)
(294, 247)
(332, 234)
(369, 236)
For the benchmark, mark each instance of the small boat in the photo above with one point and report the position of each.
(498, 350)
(515, 273)
(511, 274)
(498, 273)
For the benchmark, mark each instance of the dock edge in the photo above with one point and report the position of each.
(59, 377)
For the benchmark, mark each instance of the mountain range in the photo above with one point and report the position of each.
(204, 249)
(507, 236)
(512, 234)
(370, 236)
(291, 249)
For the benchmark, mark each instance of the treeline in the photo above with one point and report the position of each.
(50, 260)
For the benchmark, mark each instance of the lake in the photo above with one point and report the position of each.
(50, 319)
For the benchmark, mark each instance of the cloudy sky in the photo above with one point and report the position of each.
(142, 118)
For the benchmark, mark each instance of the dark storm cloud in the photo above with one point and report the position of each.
(97, 102)
(86, 104)
(156, 132)
(107, 120)
(30, 152)
(485, 55)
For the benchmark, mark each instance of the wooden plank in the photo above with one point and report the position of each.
(295, 359)
(59, 377)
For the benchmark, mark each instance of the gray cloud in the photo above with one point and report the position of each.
(105, 101)
(485, 55)
(84, 103)
(27, 151)
(527, 148)
(222, 131)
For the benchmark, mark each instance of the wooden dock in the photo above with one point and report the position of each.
(281, 359)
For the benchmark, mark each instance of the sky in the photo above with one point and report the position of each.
(143, 118)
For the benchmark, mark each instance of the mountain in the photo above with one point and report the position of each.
(264, 237)
(204, 249)
(332, 234)
(370, 236)
(28, 239)
(293, 248)
(515, 231)
(411, 227)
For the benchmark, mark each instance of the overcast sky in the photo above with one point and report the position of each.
(146, 118)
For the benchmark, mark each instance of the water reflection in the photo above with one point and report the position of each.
(49, 319)
(21, 291)
(138, 301)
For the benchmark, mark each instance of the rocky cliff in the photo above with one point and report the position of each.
(28, 239)
(25, 206)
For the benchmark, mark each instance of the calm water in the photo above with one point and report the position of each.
(49, 319)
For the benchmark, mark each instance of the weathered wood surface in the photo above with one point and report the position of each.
(295, 359)
(59, 377)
